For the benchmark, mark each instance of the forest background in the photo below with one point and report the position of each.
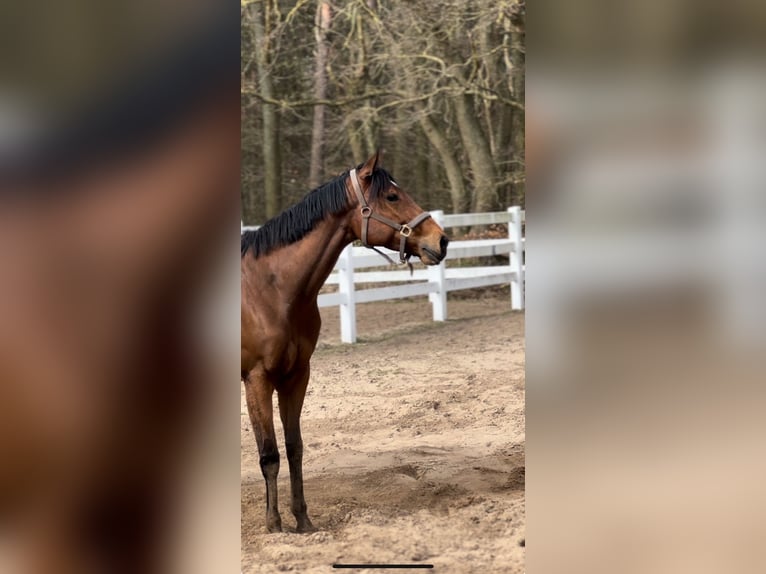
(438, 85)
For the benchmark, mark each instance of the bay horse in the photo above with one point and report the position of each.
(284, 264)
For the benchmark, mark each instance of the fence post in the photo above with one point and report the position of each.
(517, 257)
(436, 275)
(346, 287)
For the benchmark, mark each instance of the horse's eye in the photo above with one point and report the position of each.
(392, 197)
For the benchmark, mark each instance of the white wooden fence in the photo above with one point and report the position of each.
(435, 281)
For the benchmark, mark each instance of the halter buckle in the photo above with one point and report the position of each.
(366, 211)
(405, 230)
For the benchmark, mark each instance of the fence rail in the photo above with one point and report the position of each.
(435, 281)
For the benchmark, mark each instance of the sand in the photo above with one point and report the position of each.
(414, 445)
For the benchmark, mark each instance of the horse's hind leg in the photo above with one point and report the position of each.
(258, 392)
(290, 405)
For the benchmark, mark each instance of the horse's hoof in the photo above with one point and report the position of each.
(305, 526)
(274, 525)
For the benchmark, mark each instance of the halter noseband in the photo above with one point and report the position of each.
(405, 229)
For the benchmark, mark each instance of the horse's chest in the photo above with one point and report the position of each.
(292, 346)
(289, 355)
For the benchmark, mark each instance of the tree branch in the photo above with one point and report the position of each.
(281, 103)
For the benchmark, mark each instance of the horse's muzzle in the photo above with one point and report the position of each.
(435, 256)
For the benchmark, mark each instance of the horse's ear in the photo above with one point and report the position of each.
(370, 165)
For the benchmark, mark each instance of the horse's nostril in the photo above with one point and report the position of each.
(443, 242)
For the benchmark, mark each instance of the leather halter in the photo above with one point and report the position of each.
(404, 229)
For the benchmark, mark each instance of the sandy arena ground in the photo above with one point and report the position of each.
(414, 446)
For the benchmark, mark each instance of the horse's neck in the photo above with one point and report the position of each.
(315, 255)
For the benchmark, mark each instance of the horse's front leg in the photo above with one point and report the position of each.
(290, 405)
(258, 392)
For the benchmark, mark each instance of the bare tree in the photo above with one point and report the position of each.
(272, 157)
(439, 84)
(323, 20)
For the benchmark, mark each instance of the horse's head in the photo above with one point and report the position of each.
(386, 216)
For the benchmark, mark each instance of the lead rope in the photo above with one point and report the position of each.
(405, 230)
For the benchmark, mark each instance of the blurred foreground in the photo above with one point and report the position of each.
(646, 275)
(119, 173)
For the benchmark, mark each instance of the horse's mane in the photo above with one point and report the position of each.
(295, 222)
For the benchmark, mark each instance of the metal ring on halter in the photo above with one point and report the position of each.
(406, 230)
(366, 211)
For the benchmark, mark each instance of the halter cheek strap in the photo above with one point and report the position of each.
(404, 229)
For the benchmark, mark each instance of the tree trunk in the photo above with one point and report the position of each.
(272, 159)
(360, 79)
(440, 143)
(323, 19)
(251, 200)
(423, 190)
(399, 147)
(355, 141)
(370, 134)
(479, 156)
(518, 63)
(489, 71)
